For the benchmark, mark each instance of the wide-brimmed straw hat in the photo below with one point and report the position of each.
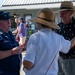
(66, 5)
(46, 17)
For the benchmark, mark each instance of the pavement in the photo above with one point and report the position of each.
(21, 71)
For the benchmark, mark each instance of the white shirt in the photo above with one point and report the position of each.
(41, 49)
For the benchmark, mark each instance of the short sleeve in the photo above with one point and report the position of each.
(31, 50)
(64, 45)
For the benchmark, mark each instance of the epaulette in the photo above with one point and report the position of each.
(1, 33)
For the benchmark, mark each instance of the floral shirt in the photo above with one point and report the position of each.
(68, 31)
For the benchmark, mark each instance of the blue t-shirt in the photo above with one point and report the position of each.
(10, 64)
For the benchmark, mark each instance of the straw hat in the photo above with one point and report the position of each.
(66, 5)
(46, 17)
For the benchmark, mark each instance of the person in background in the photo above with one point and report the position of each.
(10, 51)
(43, 47)
(17, 23)
(67, 25)
(21, 34)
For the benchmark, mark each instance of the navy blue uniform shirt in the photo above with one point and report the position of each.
(10, 64)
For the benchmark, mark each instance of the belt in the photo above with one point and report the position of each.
(68, 57)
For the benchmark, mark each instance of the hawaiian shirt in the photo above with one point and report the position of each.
(68, 31)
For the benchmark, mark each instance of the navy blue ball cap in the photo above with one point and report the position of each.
(4, 15)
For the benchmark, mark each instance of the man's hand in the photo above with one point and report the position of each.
(17, 50)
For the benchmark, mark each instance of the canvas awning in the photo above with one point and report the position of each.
(30, 4)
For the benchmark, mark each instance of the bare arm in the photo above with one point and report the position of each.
(28, 65)
(19, 31)
(72, 42)
(15, 31)
(5, 54)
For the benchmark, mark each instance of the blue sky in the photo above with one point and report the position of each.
(1, 1)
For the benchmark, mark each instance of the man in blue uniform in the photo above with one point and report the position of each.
(10, 51)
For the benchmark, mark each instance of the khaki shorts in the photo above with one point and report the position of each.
(22, 40)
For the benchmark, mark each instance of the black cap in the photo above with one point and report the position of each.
(4, 15)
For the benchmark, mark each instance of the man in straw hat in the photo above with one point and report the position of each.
(43, 47)
(67, 26)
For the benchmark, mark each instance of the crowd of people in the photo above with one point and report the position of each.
(20, 32)
(49, 51)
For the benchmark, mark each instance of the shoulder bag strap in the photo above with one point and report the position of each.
(51, 63)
